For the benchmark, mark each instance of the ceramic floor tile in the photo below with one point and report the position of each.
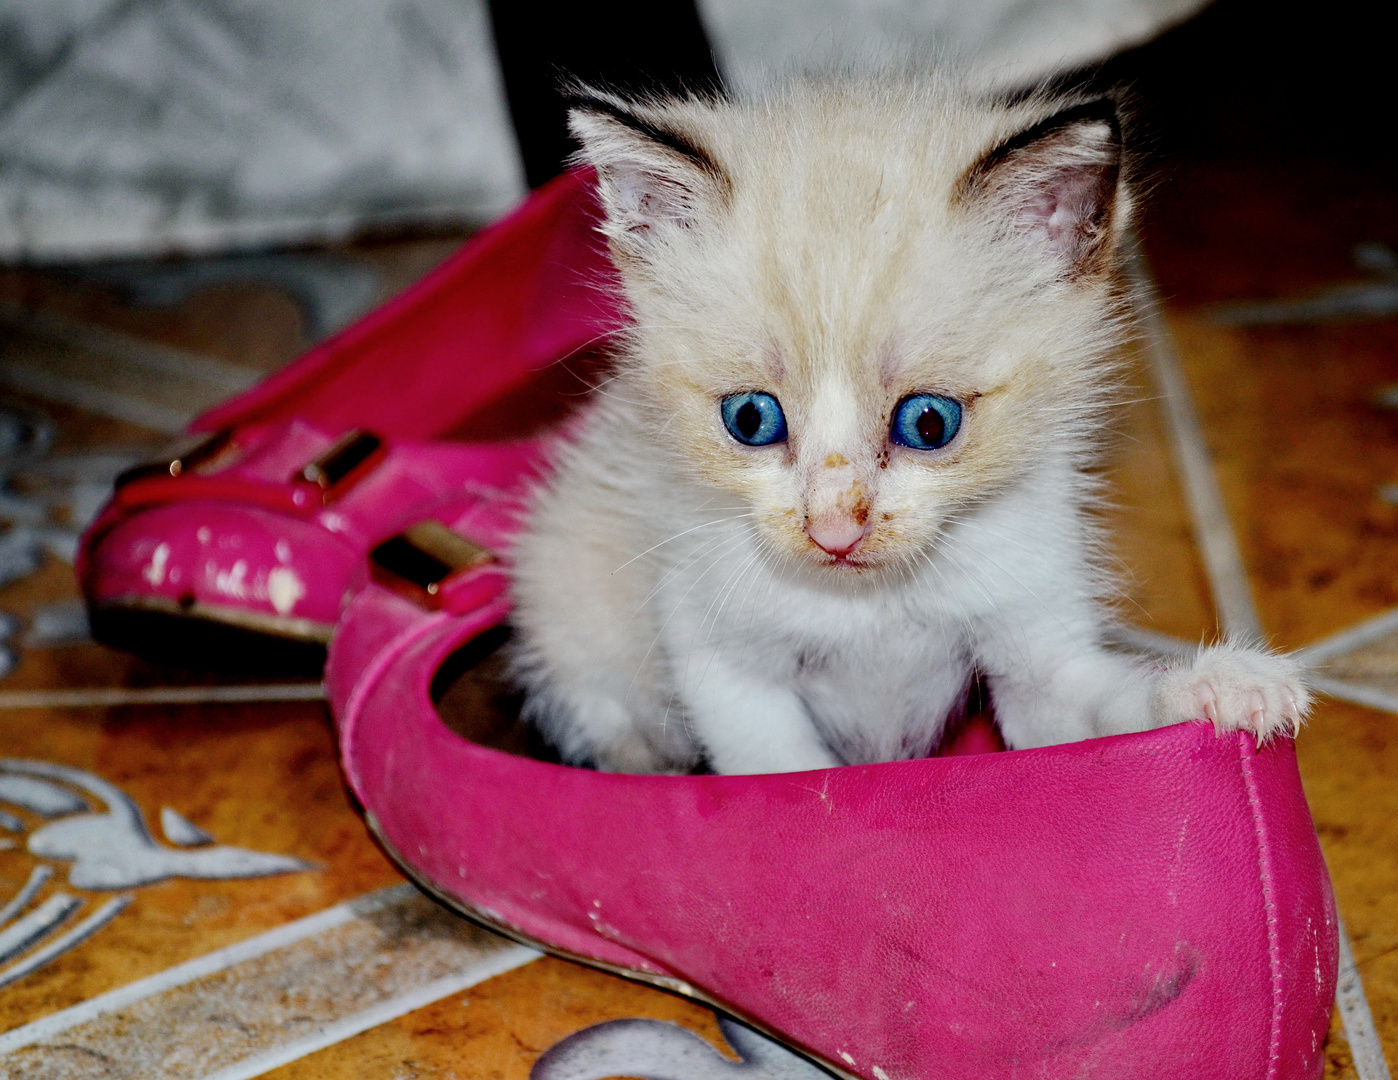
(495, 1031)
(262, 778)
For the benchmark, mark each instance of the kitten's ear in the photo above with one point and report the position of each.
(653, 179)
(1056, 182)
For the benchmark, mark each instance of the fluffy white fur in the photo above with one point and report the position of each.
(686, 600)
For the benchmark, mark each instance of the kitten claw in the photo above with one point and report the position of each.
(1257, 710)
(1236, 688)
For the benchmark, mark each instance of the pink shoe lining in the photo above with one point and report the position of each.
(368, 681)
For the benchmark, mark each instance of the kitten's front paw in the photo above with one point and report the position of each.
(1238, 688)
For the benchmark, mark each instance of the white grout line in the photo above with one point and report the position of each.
(148, 356)
(1218, 545)
(1233, 596)
(210, 963)
(1358, 1020)
(110, 696)
(1373, 697)
(96, 399)
(1355, 637)
(498, 964)
(1150, 641)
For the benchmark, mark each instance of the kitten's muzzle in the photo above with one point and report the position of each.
(836, 535)
(837, 507)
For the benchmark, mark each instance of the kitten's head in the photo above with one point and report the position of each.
(864, 307)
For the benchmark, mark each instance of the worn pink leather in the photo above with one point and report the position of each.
(462, 348)
(1151, 907)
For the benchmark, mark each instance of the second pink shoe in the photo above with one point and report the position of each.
(239, 549)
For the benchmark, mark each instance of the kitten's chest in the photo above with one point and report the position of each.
(878, 678)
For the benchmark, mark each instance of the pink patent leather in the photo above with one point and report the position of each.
(1146, 907)
(249, 536)
(289, 562)
(533, 288)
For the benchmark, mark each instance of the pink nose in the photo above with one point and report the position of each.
(836, 535)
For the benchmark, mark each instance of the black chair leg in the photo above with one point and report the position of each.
(632, 46)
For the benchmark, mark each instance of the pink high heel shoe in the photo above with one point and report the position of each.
(1143, 907)
(239, 548)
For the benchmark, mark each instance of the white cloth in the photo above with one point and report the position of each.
(1014, 42)
(140, 127)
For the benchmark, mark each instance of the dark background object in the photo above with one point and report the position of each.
(635, 46)
(1267, 81)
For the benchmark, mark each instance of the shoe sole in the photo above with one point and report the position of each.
(209, 638)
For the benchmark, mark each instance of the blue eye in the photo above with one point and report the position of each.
(926, 421)
(754, 419)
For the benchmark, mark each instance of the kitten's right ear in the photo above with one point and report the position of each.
(1057, 183)
(653, 178)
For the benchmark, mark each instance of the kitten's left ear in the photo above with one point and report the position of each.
(1057, 183)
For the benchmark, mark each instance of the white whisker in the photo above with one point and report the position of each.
(676, 536)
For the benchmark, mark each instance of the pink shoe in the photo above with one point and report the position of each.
(240, 549)
(1145, 907)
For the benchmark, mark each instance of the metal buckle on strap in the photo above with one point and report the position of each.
(197, 452)
(352, 453)
(422, 557)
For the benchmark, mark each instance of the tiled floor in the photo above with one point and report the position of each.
(1302, 452)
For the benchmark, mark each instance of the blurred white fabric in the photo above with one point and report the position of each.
(143, 127)
(1014, 43)
(135, 126)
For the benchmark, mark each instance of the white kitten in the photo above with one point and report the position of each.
(842, 466)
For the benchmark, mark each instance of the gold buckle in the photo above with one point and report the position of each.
(188, 453)
(424, 556)
(344, 457)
